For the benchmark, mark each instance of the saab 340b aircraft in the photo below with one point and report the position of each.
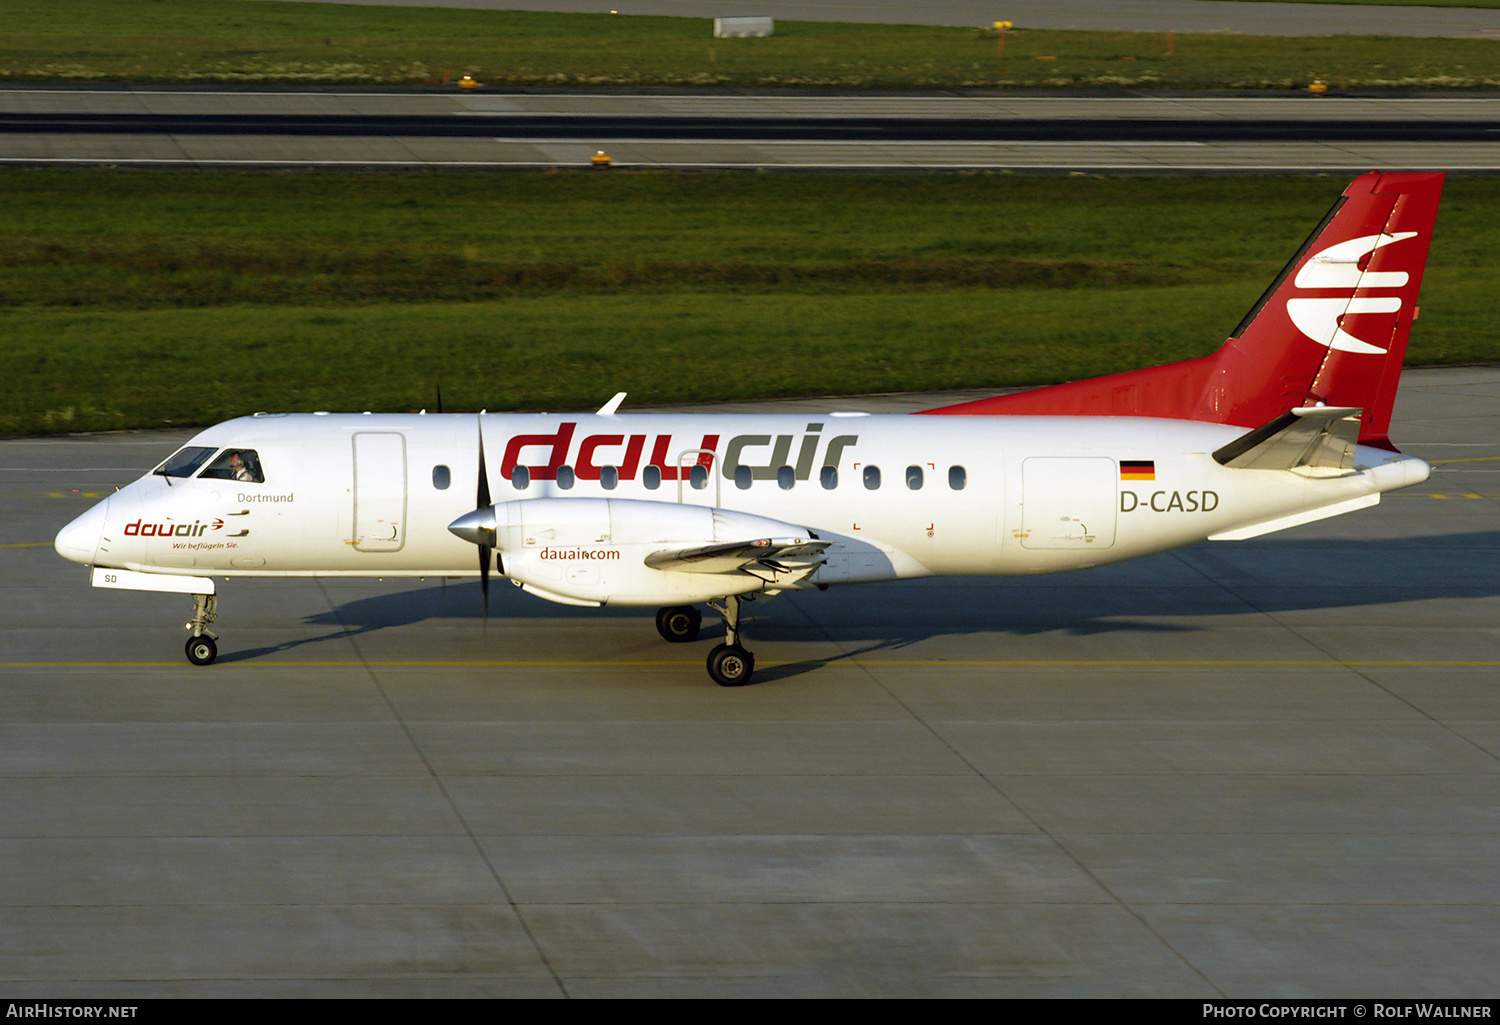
(1285, 424)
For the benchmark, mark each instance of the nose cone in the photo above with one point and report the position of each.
(477, 527)
(1417, 471)
(79, 540)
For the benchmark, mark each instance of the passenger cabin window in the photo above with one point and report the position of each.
(914, 478)
(872, 478)
(957, 477)
(651, 477)
(698, 478)
(742, 478)
(829, 477)
(785, 478)
(520, 478)
(565, 478)
(441, 477)
(609, 477)
(185, 462)
(240, 464)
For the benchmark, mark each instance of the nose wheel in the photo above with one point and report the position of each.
(201, 649)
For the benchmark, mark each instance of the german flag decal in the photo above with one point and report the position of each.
(1137, 469)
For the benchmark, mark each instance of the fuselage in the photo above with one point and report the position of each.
(897, 496)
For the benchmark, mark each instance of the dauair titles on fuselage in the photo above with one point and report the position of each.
(762, 454)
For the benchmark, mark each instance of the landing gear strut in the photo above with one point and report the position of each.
(729, 664)
(201, 649)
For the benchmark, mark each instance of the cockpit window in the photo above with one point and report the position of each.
(184, 462)
(235, 464)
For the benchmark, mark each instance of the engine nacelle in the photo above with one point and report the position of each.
(592, 551)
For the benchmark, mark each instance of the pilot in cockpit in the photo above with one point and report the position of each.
(236, 464)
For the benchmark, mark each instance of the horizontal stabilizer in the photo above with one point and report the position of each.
(781, 555)
(1316, 436)
(1247, 531)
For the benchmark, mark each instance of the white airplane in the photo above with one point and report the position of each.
(1285, 424)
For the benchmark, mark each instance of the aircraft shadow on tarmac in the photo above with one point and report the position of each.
(1161, 594)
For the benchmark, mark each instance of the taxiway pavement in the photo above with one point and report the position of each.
(1267, 768)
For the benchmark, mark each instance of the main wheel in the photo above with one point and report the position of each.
(679, 623)
(730, 665)
(202, 650)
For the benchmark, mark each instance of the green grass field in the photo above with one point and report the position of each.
(260, 41)
(139, 299)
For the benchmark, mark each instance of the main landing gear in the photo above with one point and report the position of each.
(201, 649)
(729, 664)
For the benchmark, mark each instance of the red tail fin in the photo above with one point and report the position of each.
(1332, 328)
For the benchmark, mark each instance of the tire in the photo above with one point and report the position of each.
(679, 624)
(201, 651)
(730, 665)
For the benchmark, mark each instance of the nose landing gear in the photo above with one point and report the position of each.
(201, 649)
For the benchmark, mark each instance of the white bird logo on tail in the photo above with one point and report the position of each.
(1338, 266)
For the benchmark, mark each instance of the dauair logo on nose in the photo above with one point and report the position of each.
(1342, 267)
(194, 529)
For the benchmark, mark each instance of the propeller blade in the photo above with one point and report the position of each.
(482, 501)
(484, 580)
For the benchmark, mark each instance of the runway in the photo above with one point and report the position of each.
(429, 129)
(1256, 769)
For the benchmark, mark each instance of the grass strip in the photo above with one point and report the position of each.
(140, 299)
(144, 239)
(265, 42)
